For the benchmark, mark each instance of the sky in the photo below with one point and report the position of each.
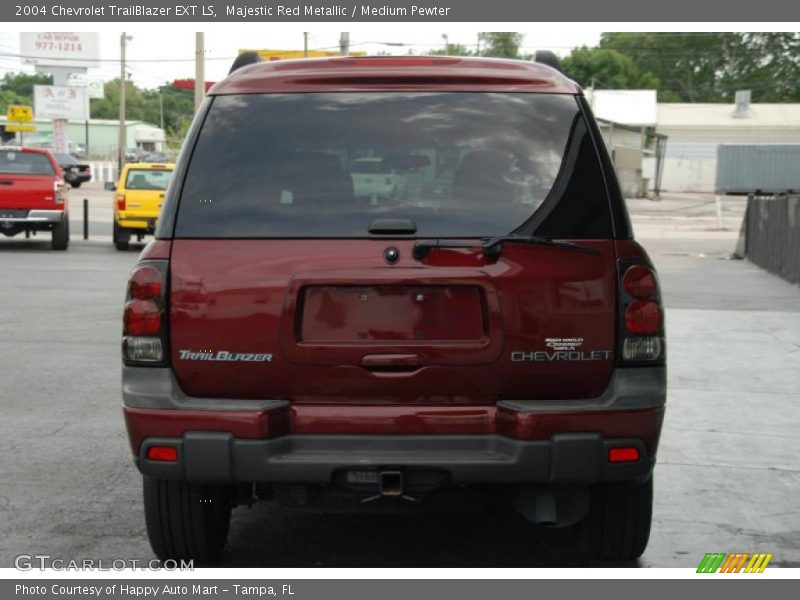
(160, 54)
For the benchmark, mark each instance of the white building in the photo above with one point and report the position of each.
(696, 130)
(625, 117)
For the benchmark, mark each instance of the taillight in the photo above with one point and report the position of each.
(641, 315)
(615, 455)
(142, 317)
(120, 198)
(145, 283)
(144, 327)
(639, 282)
(162, 453)
(59, 191)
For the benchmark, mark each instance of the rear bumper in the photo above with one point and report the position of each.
(219, 458)
(69, 177)
(36, 216)
(145, 224)
(513, 441)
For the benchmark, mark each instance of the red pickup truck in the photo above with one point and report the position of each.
(489, 329)
(33, 194)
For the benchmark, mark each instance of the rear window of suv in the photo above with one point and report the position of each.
(14, 162)
(466, 164)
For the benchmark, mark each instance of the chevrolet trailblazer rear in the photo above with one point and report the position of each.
(486, 329)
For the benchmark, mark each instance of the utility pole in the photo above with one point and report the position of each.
(344, 43)
(122, 140)
(305, 44)
(199, 70)
(161, 110)
(591, 87)
(446, 41)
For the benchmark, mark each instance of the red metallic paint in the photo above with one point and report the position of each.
(351, 313)
(241, 296)
(156, 249)
(429, 74)
(32, 191)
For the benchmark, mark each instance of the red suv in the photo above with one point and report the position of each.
(485, 329)
(33, 195)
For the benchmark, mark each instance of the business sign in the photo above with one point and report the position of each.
(19, 113)
(61, 49)
(60, 102)
(95, 88)
(20, 127)
(270, 55)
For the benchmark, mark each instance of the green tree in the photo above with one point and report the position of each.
(22, 83)
(17, 88)
(710, 67)
(607, 69)
(108, 107)
(500, 44)
(453, 50)
(7, 98)
(144, 105)
(178, 108)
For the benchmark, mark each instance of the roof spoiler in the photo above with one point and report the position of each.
(547, 57)
(244, 59)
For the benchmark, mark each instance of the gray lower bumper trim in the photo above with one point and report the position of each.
(38, 216)
(156, 387)
(632, 388)
(218, 458)
(629, 389)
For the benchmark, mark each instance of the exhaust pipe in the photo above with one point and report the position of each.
(558, 506)
(538, 505)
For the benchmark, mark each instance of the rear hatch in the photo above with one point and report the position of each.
(286, 284)
(27, 181)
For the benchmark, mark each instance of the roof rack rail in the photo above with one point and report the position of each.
(549, 58)
(244, 59)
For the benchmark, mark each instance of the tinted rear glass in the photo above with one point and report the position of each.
(147, 179)
(462, 164)
(30, 163)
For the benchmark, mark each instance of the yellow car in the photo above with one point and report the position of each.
(138, 197)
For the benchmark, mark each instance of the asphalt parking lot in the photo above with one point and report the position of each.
(728, 478)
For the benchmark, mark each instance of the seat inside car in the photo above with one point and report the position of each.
(314, 177)
(138, 182)
(483, 175)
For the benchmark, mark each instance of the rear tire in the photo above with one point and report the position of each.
(186, 521)
(617, 526)
(121, 238)
(60, 239)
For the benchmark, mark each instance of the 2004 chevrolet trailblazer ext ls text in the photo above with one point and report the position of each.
(487, 330)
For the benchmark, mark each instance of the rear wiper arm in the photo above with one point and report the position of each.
(493, 247)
